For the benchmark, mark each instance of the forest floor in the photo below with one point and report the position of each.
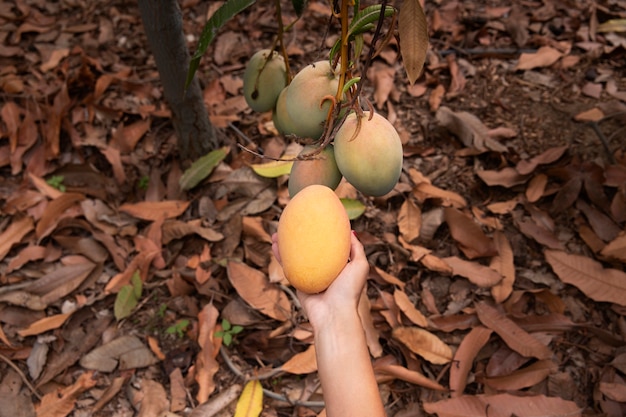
(497, 284)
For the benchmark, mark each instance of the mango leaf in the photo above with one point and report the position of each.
(424, 343)
(201, 169)
(353, 207)
(250, 403)
(273, 169)
(413, 33)
(212, 26)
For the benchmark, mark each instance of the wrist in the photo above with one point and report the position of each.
(334, 320)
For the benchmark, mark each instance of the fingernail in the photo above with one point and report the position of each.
(354, 233)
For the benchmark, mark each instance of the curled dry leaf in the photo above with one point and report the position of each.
(527, 166)
(206, 363)
(14, 234)
(154, 210)
(301, 363)
(506, 177)
(408, 308)
(513, 335)
(504, 264)
(616, 249)
(400, 372)
(54, 211)
(409, 220)
(61, 403)
(464, 357)
(544, 57)
(424, 343)
(426, 191)
(522, 378)
(595, 281)
(469, 129)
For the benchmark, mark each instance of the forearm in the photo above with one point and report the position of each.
(345, 369)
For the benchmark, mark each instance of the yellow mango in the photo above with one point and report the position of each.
(314, 238)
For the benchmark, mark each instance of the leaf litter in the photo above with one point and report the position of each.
(497, 279)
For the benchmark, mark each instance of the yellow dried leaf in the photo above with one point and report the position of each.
(424, 343)
(250, 403)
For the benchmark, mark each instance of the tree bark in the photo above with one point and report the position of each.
(163, 23)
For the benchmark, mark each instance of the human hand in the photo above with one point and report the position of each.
(344, 292)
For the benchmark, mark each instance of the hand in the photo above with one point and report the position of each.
(345, 291)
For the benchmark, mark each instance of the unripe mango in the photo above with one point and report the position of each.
(304, 98)
(313, 238)
(322, 169)
(369, 156)
(280, 116)
(262, 83)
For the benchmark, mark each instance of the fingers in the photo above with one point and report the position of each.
(357, 252)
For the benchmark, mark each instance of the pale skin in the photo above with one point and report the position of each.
(343, 360)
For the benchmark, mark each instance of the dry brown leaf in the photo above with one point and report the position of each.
(254, 287)
(153, 210)
(301, 363)
(54, 213)
(424, 343)
(253, 226)
(426, 191)
(14, 234)
(513, 335)
(61, 281)
(470, 237)
(469, 129)
(501, 405)
(477, 274)
(613, 391)
(127, 352)
(387, 277)
(408, 308)
(409, 220)
(522, 378)
(616, 249)
(176, 229)
(45, 324)
(464, 357)
(544, 57)
(536, 188)
(527, 166)
(538, 232)
(506, 177)
(504, 264)
(206, 363)
(405, 374)
(595, 281)
(152, 398)
(372, 334)
(61, 403)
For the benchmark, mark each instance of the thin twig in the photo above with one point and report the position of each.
(604, 140)
(21, 374)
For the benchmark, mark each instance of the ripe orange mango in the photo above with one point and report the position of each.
(313, 238)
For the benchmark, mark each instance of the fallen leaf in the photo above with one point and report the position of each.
(544, 57)
(424, 343)
(155, 210)
(250, 403)
(409, 220)
(513, 335)
(595, 281)
(54, 211)
(409, 309)
(301, 363)
(616, 249)
(60, 403)
(254, 287)
(527, 166)
(469, 235)
(464, 357)
(127, 352)
(503, 262)
(402, 373)
(522, 378)
(14, 233)
(477, 274)
(506, 177)
(613, 391)
(45, 324)
(206, 363)
(469, 129)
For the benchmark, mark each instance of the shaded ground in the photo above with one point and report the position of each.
(504, 238)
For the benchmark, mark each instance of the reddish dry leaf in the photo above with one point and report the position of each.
(464, 357)
(616, 249)
(254, 287)
(383, 76)
(126, 137)
(538, 232)
(598, 283)
(45, 324)
(426, 191)
(61, 281)
(390, 279)
(60, 403)
(436, 97)
(513, 335)
(14, 234)
(400, 372)
(477, 274)
(152, 399)
(253, 226)
(154, 210)
(536, 188)
(544, 57)
(54, 213)
(504, 207)
(591, 115)
(502, 405)
(506, 177)
(602, 225)
(408, 308)
(527, 166)
(113, 156)
(206, 364)
(409, 220)
(176, 229)
(424, 343)
(504, 264)
(11, 116)
(470, 237)
(522, 378)
(301, 363)
(55, 116)
(469, 129)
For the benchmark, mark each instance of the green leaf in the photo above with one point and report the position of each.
(227, 339)
(299, 6)
(367, 18)
(202, 168)
(212, 26)
(413, 33)
(236, 329)
(225, 325)
(137, 285)
(125, 302)
(354, 208)
(219, 333)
